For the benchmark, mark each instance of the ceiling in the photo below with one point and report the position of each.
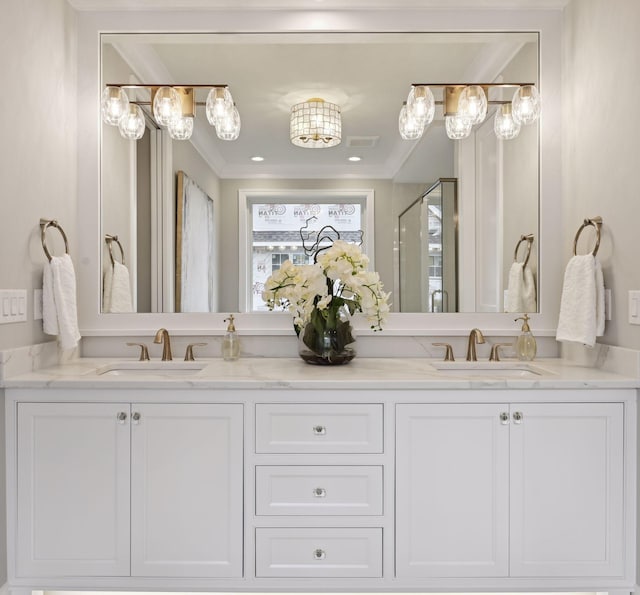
(368, 75)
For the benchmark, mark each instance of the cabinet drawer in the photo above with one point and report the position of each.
(319, 553)
(318, 428)
(318, 490)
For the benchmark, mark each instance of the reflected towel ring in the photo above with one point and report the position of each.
(595, 222)
(109, 239)
(524, 238)
(44, 225)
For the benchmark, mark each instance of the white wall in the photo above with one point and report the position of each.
(601, 131)
(38, 148)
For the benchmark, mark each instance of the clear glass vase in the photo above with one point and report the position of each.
(328, 338)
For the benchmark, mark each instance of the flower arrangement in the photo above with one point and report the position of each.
(317, 295)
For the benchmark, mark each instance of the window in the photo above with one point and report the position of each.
(272, 231)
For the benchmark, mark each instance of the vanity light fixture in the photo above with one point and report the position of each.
(171, 106)
(465, 105)
(315, 124)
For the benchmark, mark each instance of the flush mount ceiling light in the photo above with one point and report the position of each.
(172, 107)
(465, 105)
(315, 124)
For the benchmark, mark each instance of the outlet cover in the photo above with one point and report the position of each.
(634, 307)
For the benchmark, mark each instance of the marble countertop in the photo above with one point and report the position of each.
(293, 373)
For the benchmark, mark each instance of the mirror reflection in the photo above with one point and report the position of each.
(367, 76)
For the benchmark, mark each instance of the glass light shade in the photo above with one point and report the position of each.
(315, 124)
(229, 128)
(166, 105)
(408, 126)
(472, 103)
(181, 128)
(526, 105)
(219, 106)
(113, 105)
(131, 125)
(458, 127)
(504, 124)
(421, 104)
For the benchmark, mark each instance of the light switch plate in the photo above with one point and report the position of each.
(634, 307)
(13, 305)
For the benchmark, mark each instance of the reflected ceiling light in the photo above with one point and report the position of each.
(465, 105)
(257, 158)
(171, 106)
(409, 126)
(505, 125)
(315, 124)
(354, 158)
(131, 124)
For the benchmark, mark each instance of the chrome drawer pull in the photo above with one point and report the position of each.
(319, 430)
(121, 417)
(504, 418)
(319, 554)
(319, 492)
(135, 418)
(517, 417)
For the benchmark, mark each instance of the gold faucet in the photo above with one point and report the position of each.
(162, 336)
(475, 336)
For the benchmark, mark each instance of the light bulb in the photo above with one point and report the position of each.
(458, 127)
(132, 125)
(113, 104)
(526, 105)
(181, 128)
(166, 105)
(229, 128)
(408, 125)
(473, 103)
(504, 124)
(421, 104)
(219, 106)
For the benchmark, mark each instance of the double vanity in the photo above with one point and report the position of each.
(274, 475)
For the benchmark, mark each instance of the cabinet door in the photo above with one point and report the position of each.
(73, 489)
(452, 482)
(567, 489)
(186, 500)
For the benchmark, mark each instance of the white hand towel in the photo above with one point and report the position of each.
(59, 309)
(107, 288)
(120, 300)
(582, 303)
(521, 292)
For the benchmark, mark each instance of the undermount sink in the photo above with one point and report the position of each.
(138, 368)
(491, 369)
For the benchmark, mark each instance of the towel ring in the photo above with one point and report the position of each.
(44, 225)
(109, 239)
(524, 238)
(595, 222)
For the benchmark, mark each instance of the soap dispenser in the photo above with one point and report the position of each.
(526, 346)
(230, 341)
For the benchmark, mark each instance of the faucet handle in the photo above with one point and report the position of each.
(448, 354)
(188, 355)
(495, 351)
(144, 352)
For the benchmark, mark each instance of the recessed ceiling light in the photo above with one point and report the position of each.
(354, 158)
(257, 158)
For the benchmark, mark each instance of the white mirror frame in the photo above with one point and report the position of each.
(92, 23)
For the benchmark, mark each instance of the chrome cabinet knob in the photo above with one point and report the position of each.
(517, 417)
(319, 554)
(319, 430)
(135, 417)
(121, 417)
(504, 418)
(319, 493)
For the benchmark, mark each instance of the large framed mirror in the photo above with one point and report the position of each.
(368, 76)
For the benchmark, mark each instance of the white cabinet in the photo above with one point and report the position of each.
(533, 490)
(452, 506)
(120, 489)
(186, 490)
(73, 489)
(567, 514)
